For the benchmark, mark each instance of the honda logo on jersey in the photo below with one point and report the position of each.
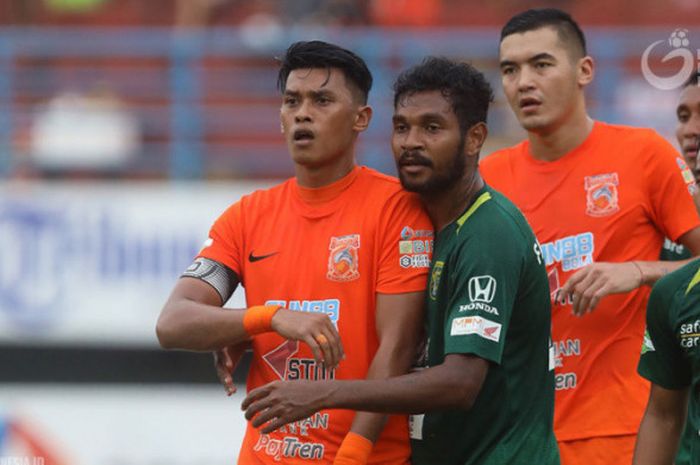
(482, 289)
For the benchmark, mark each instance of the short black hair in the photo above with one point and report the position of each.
(461, 84)
(567, 29)
(319, 54)
(693, 80)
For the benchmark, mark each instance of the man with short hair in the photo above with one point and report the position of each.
(688, 136)
(486, 384)
(600, 198)
(334, 258)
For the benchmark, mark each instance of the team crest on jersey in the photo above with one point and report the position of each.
(435, 279)
(343, 260)
(601, 194)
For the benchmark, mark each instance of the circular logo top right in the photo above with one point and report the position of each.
(679, 42)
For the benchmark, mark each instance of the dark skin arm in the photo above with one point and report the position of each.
(453, 384)
(590, 284)
(661, 427)
(399, 321)
(193, 319)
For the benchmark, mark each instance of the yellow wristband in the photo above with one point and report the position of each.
(354, 450)
(258, 319)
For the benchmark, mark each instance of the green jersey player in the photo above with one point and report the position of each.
(488, 297)
(486, 395)
(671, 361)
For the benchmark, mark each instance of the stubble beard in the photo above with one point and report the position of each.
(439, 182)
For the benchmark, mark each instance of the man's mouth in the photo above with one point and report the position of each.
(413, 160)
(303, 135)
(529, 104)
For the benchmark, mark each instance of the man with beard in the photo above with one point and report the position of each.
(487, 384)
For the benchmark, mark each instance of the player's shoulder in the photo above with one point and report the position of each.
(503, 156)
(498, 219)
(678, 283)
(382, 188)
(630, 134)
(261, 200)
(377, 180)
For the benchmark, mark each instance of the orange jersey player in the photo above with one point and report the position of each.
(334, 265)
(600, 199)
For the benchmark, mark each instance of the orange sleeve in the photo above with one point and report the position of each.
(406, 245)
(224, 244)
(669, 184)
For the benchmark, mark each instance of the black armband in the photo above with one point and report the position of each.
(222, 278)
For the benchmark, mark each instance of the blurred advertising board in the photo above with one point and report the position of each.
(119, 425)
(93, 263)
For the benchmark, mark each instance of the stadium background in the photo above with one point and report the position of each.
(126, 126)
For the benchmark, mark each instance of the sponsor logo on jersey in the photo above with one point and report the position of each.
(690, 334)
(303, 427)
(343, 259)
(415, 248)
(478, 307)
(687, 174)
(289, 447)
(330, 307)
(408, 233)
(278, 358)
(435, 279)
(415, 261)
(477, 325)
(287, 367)
(482, 288)
(565, 348)
(673, 247)
(573, 252)
(565, 381)
(647, 344)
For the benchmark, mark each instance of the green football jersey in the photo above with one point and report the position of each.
(488, 295)
(673, 252)
(671, 350)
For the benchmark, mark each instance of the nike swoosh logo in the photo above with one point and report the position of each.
(255, 258)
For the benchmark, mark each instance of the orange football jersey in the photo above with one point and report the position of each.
(328, 250)
(612, 199)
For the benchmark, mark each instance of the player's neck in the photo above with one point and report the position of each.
(313, 176)
(446, 206)
(553, 144)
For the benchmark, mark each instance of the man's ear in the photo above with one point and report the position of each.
(476, 136)
(362, 118)
(585, 71)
